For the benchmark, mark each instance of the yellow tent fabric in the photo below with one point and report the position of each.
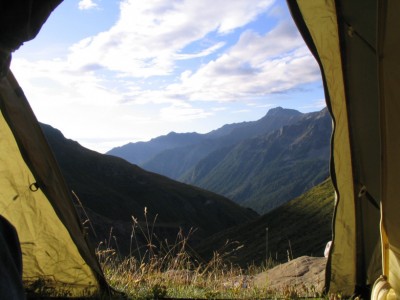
(321, 17)
(357, 44)
(56, 258)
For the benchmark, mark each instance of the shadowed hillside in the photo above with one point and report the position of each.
(113, 190)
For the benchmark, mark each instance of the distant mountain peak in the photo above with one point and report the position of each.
(324, 112)
(275, 109)
(279, 110)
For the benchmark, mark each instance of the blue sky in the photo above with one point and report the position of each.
(109, 72)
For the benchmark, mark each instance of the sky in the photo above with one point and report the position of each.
(109, 72)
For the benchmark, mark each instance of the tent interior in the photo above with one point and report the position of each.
(357, 45)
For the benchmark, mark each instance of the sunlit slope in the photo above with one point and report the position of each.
(266, 171)
(300, 227)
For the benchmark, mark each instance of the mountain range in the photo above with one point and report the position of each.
(260, 164)
(176, 153)
(272, 158)
(111, 191)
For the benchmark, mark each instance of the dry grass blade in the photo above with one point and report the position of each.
(172, 270)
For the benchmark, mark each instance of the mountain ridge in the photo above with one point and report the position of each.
(139, 152)
(259, 164)
(111, 187)
(230, 134)
(265, 171)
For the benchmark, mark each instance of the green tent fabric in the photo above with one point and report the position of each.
(57, 259)
(357, 45)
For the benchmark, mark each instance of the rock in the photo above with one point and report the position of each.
(302, 277)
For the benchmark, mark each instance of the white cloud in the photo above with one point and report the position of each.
(151, 34)
(166, 55)
(87, 4)
(256, 66)
(56, 79)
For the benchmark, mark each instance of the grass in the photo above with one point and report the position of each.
(302, 226)
(159, 269)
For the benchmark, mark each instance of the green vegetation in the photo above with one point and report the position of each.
(301, 227)
(162, 269)
(269, 170)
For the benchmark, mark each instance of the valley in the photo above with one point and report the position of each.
(229, 184)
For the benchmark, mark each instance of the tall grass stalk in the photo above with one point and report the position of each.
(162, 269)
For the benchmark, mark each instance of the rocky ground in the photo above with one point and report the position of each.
(303, 276)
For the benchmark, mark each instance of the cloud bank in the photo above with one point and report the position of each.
(171, 60)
